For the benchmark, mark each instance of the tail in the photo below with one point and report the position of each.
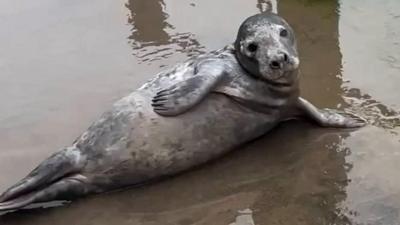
(54, 179)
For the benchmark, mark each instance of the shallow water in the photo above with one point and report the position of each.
(62, 63)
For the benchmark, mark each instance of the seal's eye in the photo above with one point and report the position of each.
(252, 47)
(283, 33)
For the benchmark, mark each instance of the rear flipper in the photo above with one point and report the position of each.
(64, 189)
(61, 164)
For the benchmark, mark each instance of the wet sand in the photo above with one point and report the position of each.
(63, 63)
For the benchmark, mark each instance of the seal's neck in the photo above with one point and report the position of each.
(288, 90)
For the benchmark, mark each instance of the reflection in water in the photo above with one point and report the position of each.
(151, 40)
(267, 5)
(245, 217)
(264, 5)
(149, 27)
(316, 27)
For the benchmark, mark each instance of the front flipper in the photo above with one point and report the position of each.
(330, 117)
(182, 96)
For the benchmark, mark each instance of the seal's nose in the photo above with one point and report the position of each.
(278, 60)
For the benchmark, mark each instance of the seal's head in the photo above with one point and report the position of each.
(266, 48)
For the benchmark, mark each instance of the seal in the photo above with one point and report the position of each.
(187, 115)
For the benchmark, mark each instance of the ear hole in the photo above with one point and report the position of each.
(252, 47)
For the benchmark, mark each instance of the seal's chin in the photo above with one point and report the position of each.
(283, 75)
(273, 75)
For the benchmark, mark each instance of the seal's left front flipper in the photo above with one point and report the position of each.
(181, 97)
(330, 117)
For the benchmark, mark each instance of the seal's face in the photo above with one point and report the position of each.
(266, 48)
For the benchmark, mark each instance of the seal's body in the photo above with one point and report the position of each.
(136, 140)
(188, 115)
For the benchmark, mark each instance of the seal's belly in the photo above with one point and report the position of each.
(150, 146)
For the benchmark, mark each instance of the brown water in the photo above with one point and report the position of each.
(62, 63)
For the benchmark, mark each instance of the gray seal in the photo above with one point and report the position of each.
(190, 114)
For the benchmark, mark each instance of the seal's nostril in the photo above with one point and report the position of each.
(285, 57)
(275, 65)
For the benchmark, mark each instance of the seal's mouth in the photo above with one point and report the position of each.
(274, 74)
(280, 78)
